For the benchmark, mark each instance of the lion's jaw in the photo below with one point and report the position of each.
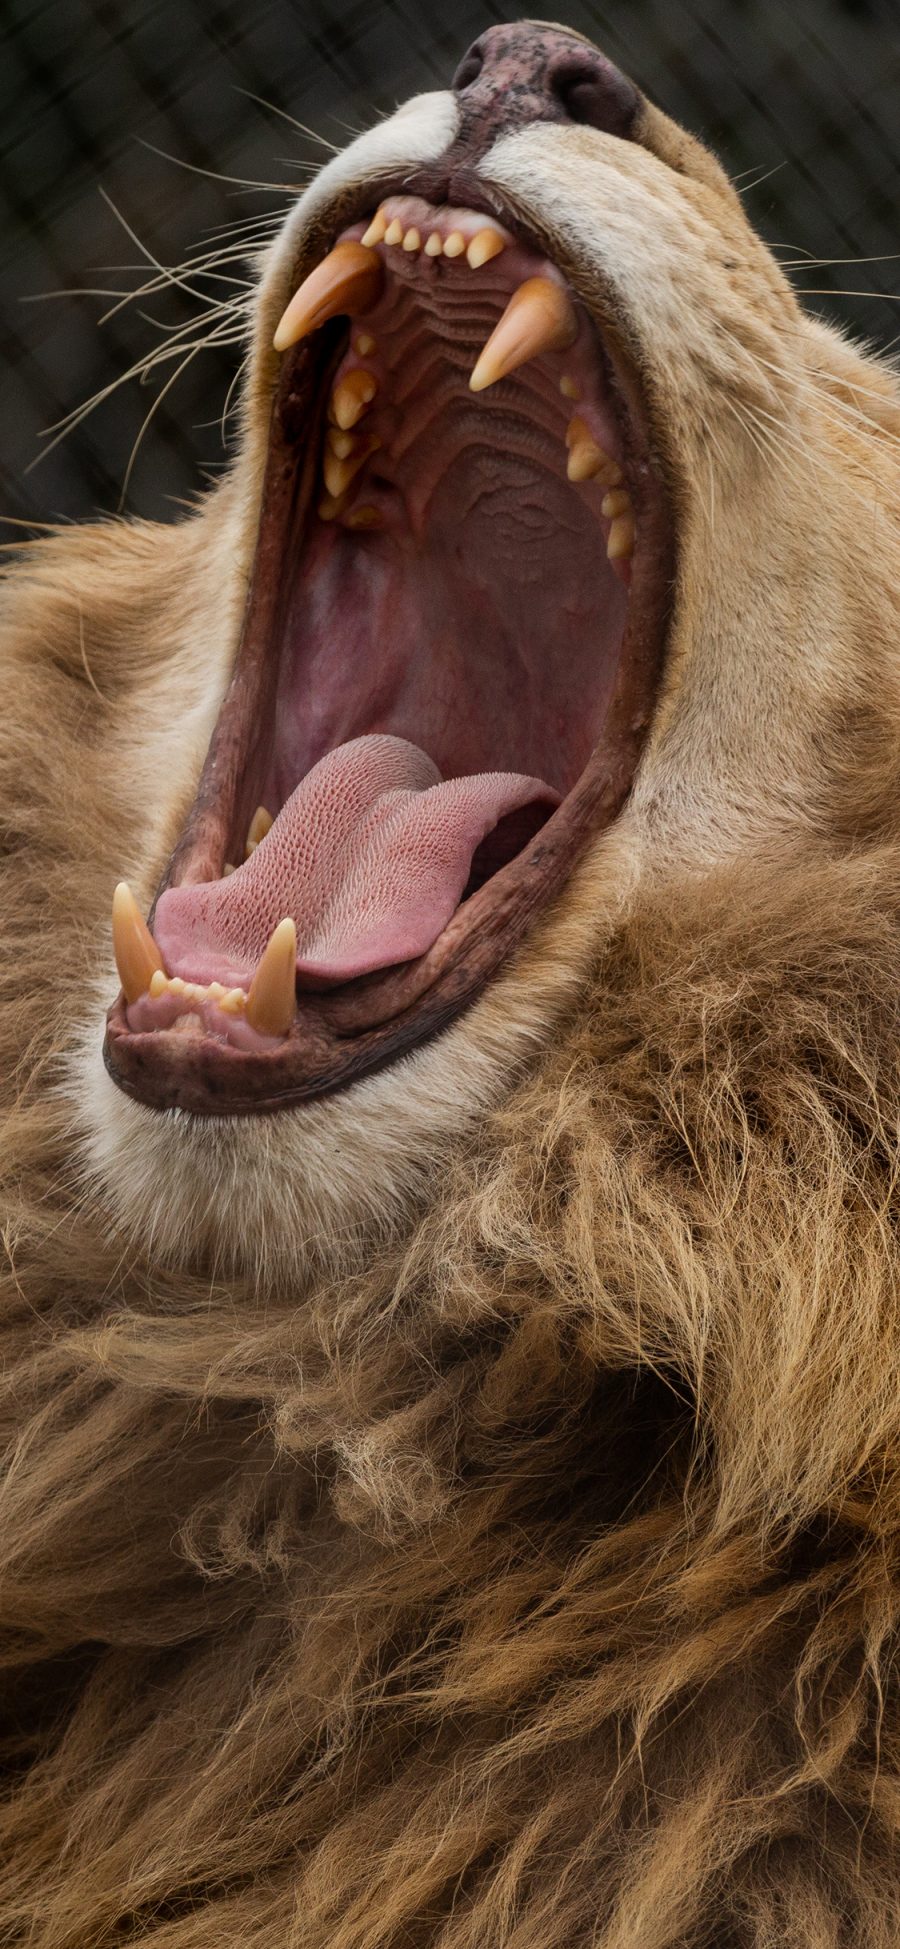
(773, 642)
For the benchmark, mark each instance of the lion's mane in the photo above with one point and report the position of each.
(539, 1584)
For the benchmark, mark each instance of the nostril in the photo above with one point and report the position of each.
(595, 94)
(469, 69)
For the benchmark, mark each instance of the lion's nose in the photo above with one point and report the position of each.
(528, 72)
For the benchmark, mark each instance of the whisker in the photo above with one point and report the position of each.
(302, 128)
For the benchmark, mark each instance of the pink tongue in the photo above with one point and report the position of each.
(370, 856)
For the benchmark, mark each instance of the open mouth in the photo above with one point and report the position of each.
(448, 666)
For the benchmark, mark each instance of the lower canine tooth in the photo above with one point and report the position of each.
(352, 395)
(138, 958)
(348, 280)
(486, 245)
(271, 999)
(260, 824)
(540, 317)
(621, 538)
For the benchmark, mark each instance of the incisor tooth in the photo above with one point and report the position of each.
(271, 998)
(413, 239)
(348, 280)
(159, 982)
(137, 956)
(434, 245)
(486, 245)
(260, 824)
(621, 538)
(455, 244)
(376, 230)
(539, 318)
(394, 232)
(352, 395)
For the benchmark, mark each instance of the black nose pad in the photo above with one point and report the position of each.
(528, 73)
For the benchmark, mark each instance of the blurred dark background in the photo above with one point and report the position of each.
(801, 98)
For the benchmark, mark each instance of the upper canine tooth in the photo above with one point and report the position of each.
(540, 317)
(352, 394)
(260, 824)
(394, 232)
(376, 230)
(136, 952)
(486, 245)
(271, 998)
(348, 280)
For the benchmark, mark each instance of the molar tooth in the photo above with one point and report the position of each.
(413, 239)
(487, 244)
(330, 507)
(435, 244)
(376, 230)
(228, 867)
(617, 501)
(455, 244)
(341, 443)
(539, 318)
(338, 474)
(364, 517)
(260, 824)
(621, 538)
(568, 387)
(394, 232)
(348, 280)
(137, 956)
(271, 997)
(352, 395)
(587, 460)
(364, 345)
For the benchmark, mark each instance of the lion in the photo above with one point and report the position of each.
(451, 1333)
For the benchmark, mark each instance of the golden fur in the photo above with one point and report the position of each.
(466, 1512)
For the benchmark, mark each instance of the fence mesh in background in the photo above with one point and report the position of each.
(799, 97)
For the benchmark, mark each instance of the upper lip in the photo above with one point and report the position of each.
(357, 1029)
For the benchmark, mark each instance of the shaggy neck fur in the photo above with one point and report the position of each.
(541, 1584)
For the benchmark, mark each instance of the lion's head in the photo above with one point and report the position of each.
(492, 659)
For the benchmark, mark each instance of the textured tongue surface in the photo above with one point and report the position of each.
(370, 856)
